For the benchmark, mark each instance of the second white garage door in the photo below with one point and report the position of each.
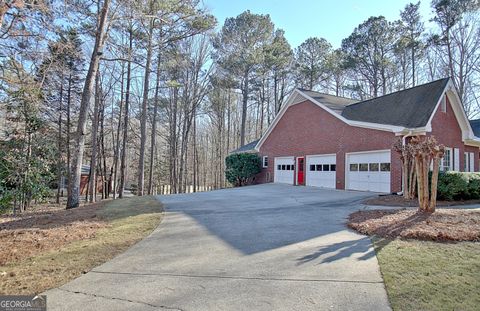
(284, 170)
(368, 171)
(321, 171)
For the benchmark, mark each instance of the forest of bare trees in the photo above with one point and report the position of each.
(152, 95)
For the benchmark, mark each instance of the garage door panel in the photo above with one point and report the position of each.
(321, 171)
(369, 171)
(284, 170)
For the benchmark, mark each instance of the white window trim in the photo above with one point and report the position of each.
(263, 161)
(450, 167)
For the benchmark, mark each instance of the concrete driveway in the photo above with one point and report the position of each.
(266, 247)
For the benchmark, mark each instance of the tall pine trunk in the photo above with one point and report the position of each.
(123, 165)
(76, 170)
(154, 128)
(92, 182)
(143, 116)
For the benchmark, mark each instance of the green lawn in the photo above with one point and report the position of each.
(421, 275)
(129, 220)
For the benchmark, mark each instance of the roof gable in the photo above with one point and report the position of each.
(410, 108)
(401, 112)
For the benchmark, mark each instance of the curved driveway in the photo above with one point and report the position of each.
(265, 247)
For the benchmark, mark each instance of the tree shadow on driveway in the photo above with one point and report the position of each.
(337, 251)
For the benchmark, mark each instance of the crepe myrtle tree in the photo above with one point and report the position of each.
(241, 168)
(427, 153)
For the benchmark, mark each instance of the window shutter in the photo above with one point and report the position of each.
(472, 162)
(456, 159)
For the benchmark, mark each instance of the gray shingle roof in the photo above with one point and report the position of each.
(336, 103)
(246, 148)
(409, 108)
(475, 124)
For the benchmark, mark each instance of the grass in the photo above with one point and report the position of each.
(424, 275)
(129, 220)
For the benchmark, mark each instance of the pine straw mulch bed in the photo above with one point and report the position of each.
(398, 200)
(47, 227)
(442, 225)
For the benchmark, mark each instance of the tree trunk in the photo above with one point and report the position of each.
(406, 189)
(244, 107)
(117, 143)
(433, 195)
(154, 127)
(92, 189)
(69, 102)
(420, 183)
(59, 160)
(143, 116)
(123, 165)
(74, 185)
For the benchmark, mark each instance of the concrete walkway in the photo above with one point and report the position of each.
(266, 247)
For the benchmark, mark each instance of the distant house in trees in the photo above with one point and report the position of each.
(334, 142)
(84, 177)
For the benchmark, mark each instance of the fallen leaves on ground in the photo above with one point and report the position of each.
(398, 200)
(442, 225)
(44, 229)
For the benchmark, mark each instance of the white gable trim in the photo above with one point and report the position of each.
(293, 99)
(456, 105)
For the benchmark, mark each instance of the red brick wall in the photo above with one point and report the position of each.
(446, 130)
(306, 129)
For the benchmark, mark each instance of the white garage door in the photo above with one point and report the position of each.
(321, 171)
(369, 171)
(284, 170)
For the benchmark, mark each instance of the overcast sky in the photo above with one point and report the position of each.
(301, 19)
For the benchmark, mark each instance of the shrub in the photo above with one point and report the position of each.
(458, 186)
(241, 168)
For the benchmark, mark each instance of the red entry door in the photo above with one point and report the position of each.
(300, 171)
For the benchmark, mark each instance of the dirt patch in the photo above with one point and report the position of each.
(443, 225)
(46, 228)
(398, 200)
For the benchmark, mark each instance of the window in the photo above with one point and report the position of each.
(446, 164)
(326, 167)
(284, 167)
(279, 167)
(373, 167)
(443, 104)
(312, 167)
(363, 167)
(333, 167)
(265, 161)
(319, 167)
(466, 162)
(353, 167)
(385, 167)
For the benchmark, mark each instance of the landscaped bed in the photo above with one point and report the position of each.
(443, 225)
(440, 274)
(49, 247)
(400, 201)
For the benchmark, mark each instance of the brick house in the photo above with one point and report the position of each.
(334, 142)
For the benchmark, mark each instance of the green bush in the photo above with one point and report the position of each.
(458, 186)
(241, 168)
